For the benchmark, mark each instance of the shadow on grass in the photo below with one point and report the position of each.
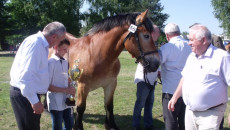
(124, 122)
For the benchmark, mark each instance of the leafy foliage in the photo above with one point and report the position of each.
(33, 15)
(221, 12)
(5, 23)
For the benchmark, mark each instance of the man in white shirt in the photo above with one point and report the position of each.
(204, 82)
(145, 92)
(30, 76)
(173, 57)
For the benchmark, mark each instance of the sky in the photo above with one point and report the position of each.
(187, 12)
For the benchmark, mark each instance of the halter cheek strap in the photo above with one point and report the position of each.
(134, 30)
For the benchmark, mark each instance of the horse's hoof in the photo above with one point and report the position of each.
(79, 127)
(113, 128)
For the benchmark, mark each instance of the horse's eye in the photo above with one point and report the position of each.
(146, 36)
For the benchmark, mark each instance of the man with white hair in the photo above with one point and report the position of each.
(204, 82)
(173, 57)
(30, 76)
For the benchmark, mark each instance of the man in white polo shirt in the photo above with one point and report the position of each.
(204, 82)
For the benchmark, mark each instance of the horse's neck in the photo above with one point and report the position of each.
(112, 42)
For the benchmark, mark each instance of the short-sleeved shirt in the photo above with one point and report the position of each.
(173, 57)
(58, 70)
(29, 71)
(206, 79)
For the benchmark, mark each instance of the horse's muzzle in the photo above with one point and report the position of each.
(151, 64)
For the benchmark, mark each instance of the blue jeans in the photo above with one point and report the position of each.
(59, 116)
(145, 98)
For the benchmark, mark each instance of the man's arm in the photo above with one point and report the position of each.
(176, 95)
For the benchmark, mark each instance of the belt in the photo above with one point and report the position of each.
(167, 95)
(215, 106)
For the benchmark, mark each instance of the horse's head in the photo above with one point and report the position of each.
(140, 44)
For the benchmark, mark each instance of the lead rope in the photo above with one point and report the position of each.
(147, 80)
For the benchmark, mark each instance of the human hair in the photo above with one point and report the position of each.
(54, 28)
(65, 41)
(200, 32)
(194, 25)
(172, 29)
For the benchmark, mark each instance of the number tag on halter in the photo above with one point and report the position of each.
(132, 28)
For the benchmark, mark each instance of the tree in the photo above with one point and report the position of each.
(33, 15)
(221, 12)
(5, 24)
(100, 9)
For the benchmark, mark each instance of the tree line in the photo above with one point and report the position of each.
(20, 18)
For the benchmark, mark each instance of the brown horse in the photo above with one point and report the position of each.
(97, 54)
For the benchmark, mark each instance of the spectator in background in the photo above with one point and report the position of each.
(227, 47)
(145, 92)
(173, 57)
(217, 42)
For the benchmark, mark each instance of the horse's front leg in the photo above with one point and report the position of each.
(108, 101)
(82, 94)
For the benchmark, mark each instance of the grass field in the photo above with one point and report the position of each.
(94, 116)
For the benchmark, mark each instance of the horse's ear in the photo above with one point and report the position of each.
(141, 18)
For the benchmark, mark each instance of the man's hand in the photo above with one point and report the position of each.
(71, 90)
(171, 104)
(38, 108)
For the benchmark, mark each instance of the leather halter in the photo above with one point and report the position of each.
(142, 54)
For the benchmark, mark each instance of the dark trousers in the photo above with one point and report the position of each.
(26, 119)
(173, 120)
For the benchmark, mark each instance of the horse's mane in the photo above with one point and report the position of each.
(118, 20)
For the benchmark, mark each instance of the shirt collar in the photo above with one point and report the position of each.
(208, 51)
(175, 39)
(55, 57)
(45, 43)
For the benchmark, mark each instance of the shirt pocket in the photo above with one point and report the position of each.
(213, 74)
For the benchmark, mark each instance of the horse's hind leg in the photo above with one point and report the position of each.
(108, 101)
(81, 105)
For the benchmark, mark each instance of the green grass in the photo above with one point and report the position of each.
(124, 99)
